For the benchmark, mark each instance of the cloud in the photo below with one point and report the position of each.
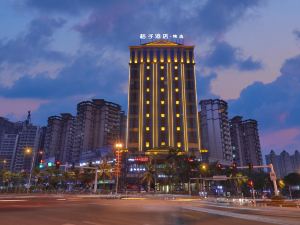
(29, 53)
(17, 108)
(297, 34)
(275, 105)
(223, 55)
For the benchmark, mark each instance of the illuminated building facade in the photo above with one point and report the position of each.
(162, 98)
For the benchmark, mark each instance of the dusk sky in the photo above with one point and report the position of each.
(56, 53)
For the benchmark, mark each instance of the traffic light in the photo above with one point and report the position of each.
(234, 168)
(250, 183)
(41, 165)
(50, 164)
(57, 164)
(219, 166)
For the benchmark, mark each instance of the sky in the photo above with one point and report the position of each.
(54, 54)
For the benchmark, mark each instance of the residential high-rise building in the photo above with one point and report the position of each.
(28, 138)
(215, 133)
(245, 141)
(97, 125)
(8, 145)
(59, 137)
(284, 163)
(162, 107)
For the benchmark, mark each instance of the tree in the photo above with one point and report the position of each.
(105, 171)
(148, 176)
(292, 179)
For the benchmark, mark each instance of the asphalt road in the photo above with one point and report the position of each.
(72, 210)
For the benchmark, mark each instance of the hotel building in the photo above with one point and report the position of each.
(162, 98)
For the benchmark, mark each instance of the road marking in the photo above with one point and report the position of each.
(61, 199)
(13, 200)
(242, 216)
(68, 224)
(92, 223)
(133, 198)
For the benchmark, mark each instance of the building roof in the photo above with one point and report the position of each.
(161, 43)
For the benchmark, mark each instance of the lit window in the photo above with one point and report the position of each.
(162, 102)
(148, 89)
(147, 115)
(162, 90)
(147, 128)
(147, 144)
(148, 78)
(178, 144)
(176, 78)
(177, 102)
(178, 128)
(147, 102)
(176, 67)
(162, 67)
(176, 89)
(162, 115)
(162, 78)
(163, 143)
(148, 67)
(162, 128)
(177, 115)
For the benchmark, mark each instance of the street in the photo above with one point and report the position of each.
(76, 210)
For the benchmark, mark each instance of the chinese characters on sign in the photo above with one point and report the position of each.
(164, 36)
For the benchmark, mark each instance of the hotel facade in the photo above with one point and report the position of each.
(162, 98)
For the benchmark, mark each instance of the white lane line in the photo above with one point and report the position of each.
(231, 207)
(13, 200)
(243, 216)
(91, 223)
(61, 199)
(68, 224)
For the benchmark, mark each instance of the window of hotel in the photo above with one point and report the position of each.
(177, 102)
(162, 102)
(147, 128)
(176, 78)
(162, 128)
(176, 67)
(147, 102)
(178, 128)
(177, 115)
(162, 115)
(147, 115)
(163, 143)
(162, 78)
(176, 89)
(148, 89)
(162, 89)
(148, 67)
(147, 144)
(162, 67)
(178, 144)
(148, 78)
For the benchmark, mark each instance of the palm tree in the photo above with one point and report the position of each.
(148, 176)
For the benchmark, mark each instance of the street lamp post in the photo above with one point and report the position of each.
(118, 146)
(29, 151)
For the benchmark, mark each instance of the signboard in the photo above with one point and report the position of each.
(161, 36)
(219, 177)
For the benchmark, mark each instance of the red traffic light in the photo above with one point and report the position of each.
(234, 165)
(219, 166)
(250, 183)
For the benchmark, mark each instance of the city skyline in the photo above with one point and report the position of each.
(45, 78)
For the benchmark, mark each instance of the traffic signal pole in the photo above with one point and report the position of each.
(272, 175)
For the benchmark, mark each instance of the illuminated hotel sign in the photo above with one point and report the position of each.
(163, 36)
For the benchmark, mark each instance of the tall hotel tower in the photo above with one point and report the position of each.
(162, 98)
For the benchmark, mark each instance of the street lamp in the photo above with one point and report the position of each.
(118, 146)
(28, 151)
